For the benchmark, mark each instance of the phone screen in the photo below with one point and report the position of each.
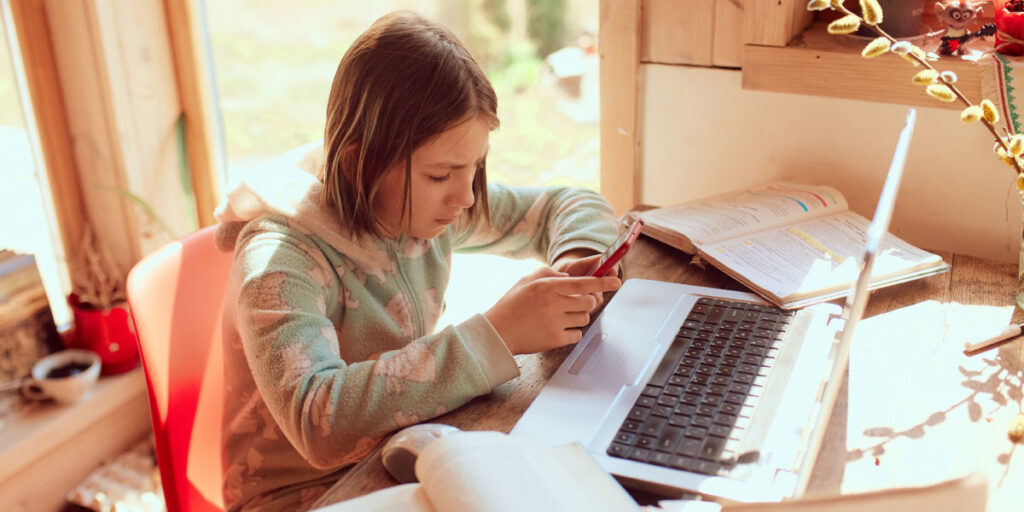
(618, 249)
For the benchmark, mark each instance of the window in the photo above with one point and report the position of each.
(23, 203)
(274, 64)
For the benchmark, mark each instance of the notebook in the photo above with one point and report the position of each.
(677, 388)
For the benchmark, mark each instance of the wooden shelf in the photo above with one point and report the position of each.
(50, 448)
(821, 64)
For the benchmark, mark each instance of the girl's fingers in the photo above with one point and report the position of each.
(575, 303)
(570, 336)
(577, 319)
(584, 285)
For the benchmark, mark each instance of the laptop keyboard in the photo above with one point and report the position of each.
(694, 410)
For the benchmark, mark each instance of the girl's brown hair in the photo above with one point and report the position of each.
(402, 82)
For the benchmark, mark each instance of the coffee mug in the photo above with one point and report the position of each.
(65, 376)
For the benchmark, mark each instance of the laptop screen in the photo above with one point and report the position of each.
(858, 297)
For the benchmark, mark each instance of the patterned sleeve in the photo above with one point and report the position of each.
(334, 411)
(539, 223)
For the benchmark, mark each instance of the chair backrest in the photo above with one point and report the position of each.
(176, 296)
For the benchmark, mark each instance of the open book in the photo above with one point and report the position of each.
(496, 472)
(794, 245)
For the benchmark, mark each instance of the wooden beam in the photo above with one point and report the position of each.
(619, 48)
(44, 89)
(774, 22)
(191, 63)
(114, 62)
(674, 32)
(728, 40)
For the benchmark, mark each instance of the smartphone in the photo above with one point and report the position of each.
(617, 250)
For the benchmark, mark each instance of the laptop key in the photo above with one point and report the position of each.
(696, 432)
(653, 426)
(625, 437)
(618, 450)
(662, 411)
(711, 399)
(640, 454)
(668, 364)
(631, 426)
(745, 378)
(701, 421)
(711, 449)
(719, 430)
(690, 399)
(686, 409)
(669, 437)
(689, 447)
(707, 467)
(715, 315)
(668, 399)
(639, 413)
(679, 420)
(682, 375)
(660, 458)
(725, 419)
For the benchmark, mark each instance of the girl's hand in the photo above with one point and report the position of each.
(546, 309)
(575, 265)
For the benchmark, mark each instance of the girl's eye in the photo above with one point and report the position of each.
(440, 179)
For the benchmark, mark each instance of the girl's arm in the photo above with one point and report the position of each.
(333, 410)
(542, 223)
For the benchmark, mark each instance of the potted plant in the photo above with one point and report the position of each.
(100, 309)
(1009, 15)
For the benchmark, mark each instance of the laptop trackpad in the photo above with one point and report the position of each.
(624, 339)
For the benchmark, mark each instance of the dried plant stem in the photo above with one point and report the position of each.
(98, 282)
(960, 95)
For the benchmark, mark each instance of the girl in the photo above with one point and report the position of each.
(338, 279)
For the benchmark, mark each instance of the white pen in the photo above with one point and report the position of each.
(1008, 334)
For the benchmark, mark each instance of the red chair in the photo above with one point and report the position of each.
(176, 296)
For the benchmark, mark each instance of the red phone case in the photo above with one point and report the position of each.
(618, 249)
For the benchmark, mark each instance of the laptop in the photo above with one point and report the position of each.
(679, 389)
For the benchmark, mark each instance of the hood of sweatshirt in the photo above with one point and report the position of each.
(287, 187)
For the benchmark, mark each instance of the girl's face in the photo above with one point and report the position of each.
(441, 182)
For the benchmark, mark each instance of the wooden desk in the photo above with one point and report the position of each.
(913, 410)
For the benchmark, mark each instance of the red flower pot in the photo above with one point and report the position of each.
(1009, 29)
(108, 332)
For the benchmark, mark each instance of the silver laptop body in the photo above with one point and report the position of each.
(770, 450)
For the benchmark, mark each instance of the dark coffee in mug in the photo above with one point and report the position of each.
(67, 370)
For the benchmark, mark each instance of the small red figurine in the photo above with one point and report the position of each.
(957, 15)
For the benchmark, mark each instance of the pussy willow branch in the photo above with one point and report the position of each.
(991, 128)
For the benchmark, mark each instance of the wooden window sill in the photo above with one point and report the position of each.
(51, 448)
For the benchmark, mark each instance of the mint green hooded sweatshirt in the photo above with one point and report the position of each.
(330, 341)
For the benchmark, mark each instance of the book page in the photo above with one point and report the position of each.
(407, 498)
(739, 213)
(497, 472)
(815, 257)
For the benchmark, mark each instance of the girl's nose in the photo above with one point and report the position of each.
(463, 196)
